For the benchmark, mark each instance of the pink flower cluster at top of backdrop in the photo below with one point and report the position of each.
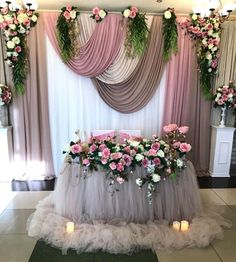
(98, 14)
(130, 12)
(70, 13)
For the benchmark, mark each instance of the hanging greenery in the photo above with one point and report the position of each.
(170, 33)
(67, 31)
(136, 33)
(16, 26)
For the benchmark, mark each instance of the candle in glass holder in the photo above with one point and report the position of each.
(176, 225)
(184, 225)
(70, 227)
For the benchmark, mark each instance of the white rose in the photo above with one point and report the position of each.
(8, 62)
(204, 41)
(34, 18)
(208, 56)
(160, 153)
(210, 32)
(126, 13)
(16, 40)
(139, 181)
(21, 30)
(139, 157)
(216, 35)
(216, 25)
(15, 54)
(73, 14)
(8, 54)
(179, 162)
(12, 26)
(210, 46)
(67, 148)
(214, 48)
(10, 44)
(156, 178)
(102, 13)
(218, 95)
(134, 143)
(167, 14)
(194, 17)
(7, 17)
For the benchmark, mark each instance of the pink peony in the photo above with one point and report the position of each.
(224, 90)
(86, 162)
(156, 161)
(102, 146)
(152, 152)
(106, 153)
(170, 128)
(145, 162)
(183, 129)
(120, 180)
(69, 8)
(76, 148)
(184, 147)
(66, 14)
(18, 49)
(132, 152)
(120, 167)
(127, 160)
(134, 8)
(96, 10)
(127, 149)
(176, 145)
(214, 63)
(112, 165)
(220, 102)
(156, 146)
(225, 98)
(92, 148)
(132, 14)
(104, 161)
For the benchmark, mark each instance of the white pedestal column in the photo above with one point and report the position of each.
(221, 150)
(6, 153)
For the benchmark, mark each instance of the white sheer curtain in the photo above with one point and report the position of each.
(75, 104)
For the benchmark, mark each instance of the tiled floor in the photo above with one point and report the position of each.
(16, 246)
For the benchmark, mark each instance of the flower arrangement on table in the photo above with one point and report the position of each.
(160, 157)
(68, 29)
(98, 14)
(136, 31)
(5, 95)
(207, 33)
(225, 96)
(16, 26)
(170, 33)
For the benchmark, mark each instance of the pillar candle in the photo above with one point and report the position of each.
(184, 225)
(70, 227)
(176, 225)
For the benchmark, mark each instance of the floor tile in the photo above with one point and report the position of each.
(226, 248)
(228, 195)
(229, 214)
(6, 195)
(194, 255)
(16, 248)
(24, 200)
(13, 221)
(233, 207)
(208, 196)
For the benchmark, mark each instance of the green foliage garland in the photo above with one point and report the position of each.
(170, 33)
(67, 31)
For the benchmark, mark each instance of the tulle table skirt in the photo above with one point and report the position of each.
(84, 197)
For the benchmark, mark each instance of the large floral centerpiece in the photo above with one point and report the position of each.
(206, 31)
(16, 26)
(5, 95)
(160, 157)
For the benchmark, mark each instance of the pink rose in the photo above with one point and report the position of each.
(120, 167)
(96, 10)
(152, 152)
(216, 41)
(18, 49)
(120, 180)
(86, 162)
(209, 26)
(69, 8)
(214, 63)
(104, 161)
(184, 147)
(127, 160)
(134, 8)
(183, 129)
(66, 14)
(220, 102)
(225, 98)
(76, 148)
(156, 146)
(132, 14)
(106, 153)
(145, 162)
(176, 145)
(112, 165)
(102, 146)
(156, 161)
(132, 152)
(97, 17)
(92, 148)
(127, 149)
(170, 128)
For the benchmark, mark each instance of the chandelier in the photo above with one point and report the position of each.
(214, 8)
(15, 6)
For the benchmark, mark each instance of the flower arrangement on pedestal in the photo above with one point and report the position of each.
(5, 95)
(207, 33)
(98, 14)
(16, 24)
(225, 97)
(160, 157)
(170, 33)
(136, 31)
(68, 29)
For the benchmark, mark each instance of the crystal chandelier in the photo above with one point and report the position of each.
(214, 8)
(15, 6)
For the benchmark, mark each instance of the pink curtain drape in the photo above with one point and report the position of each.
(185, 104)
(101, 49)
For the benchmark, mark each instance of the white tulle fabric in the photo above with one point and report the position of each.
(123, 222)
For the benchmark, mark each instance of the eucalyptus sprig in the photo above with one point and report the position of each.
(170, 33)
(67, 31)
(137, 32)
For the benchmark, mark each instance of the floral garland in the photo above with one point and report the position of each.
(225, 96)
(136, 32)
(207, 33)
(67, 32)
(98, 14)
(160, 157)
(170, 33)
(16, 26)
(5, 95)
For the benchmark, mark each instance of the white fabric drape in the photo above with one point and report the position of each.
(75, 104)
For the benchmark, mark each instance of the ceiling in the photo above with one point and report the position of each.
(149, 6)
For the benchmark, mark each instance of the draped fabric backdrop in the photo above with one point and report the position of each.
(185, 104)
(30, 117)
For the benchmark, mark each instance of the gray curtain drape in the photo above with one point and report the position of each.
(137, 90)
